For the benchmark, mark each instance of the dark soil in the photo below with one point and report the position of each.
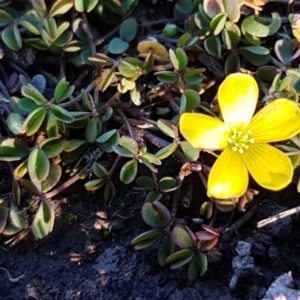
(78, 260)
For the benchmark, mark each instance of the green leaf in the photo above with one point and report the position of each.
(166, 76)
(105, 81)
(146, 239)
(231, 35)
(167, 184)
(60, 7)
(15, 123)
(99, 170)
(3, 213)
(43, 221)
(74, 144)
(213, 46)
(108, 140)
(40, 6)
(109, 190)
(128, 69)
(262, 27)
(192, 77)
(256, 55)
(93, 130)
(52, 179)
(13, 148)
(15, 221)
(201, 19)
(38, 165)
(34, 121)
(173, 59)
(151, 158)
(167, 247)
(232, 8)
(180, 258)
(218, 22)
(129, 144)
(129, 171)
(12, 37)
(5, 18)
(117, 46)
(283, 51)
(189, 152)
(232, 63)
(192, 99)
(181, 58)
(95, 184)
(168, 128)
(128, 30)
(166, 151)
(198, 266)
(63, 90)
(153, 196)
(32, 93)
(182, 236)
(85, 5)
(155, 214)
(122, 151)
(145, 182)
(61, 114)
(53, 146)
(294, 77)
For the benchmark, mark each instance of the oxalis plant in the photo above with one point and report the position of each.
(214, 93)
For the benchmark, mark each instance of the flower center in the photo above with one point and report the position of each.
(240, 141)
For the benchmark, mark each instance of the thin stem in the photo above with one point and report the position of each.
(66, 184)
(277, 217)
(115, 165)
(239, 223)
(107, 36)
(129, 128)
(203, 179)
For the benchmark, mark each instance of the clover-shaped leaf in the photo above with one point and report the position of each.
(155, 214)
(183, 237)
(129, 171)
(146, 239)
(198, 266)
(43, 221)
(180, 258)
(117, 46)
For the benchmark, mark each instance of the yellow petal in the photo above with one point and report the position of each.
(269, 167)
(204, 132)
(228, 176)
(279, 120)
(237, 96)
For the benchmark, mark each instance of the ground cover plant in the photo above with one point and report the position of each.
(213, 90)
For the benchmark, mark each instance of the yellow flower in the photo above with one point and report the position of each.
(243, 138)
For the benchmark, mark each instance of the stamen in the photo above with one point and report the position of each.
(240, 141)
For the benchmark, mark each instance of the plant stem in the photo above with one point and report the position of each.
(115, 165)
(129, 128)
(66, 184)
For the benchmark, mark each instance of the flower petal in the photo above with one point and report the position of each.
(269, 167)
(237, 96)
(204, 132)
(228, 176)
(279, 120)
